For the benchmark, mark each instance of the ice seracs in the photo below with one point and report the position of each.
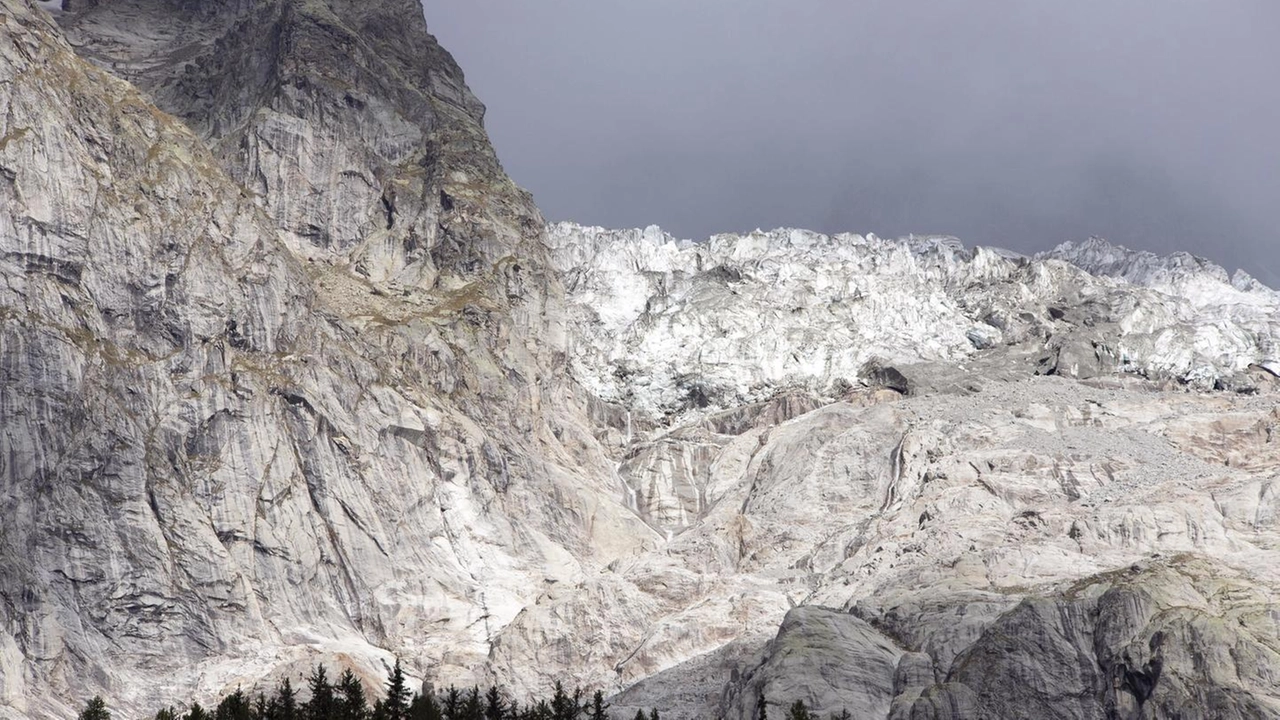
(669, 326)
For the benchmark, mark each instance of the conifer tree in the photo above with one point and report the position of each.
(234, 707)
(473, 706)
(95, 709)
(166, 713)
(565, 706)
(323, 704)
(453, 704)
(352, 704)
(798, 711)
(842, 715)
(560, 703)
(640, 715)
(653, 713)
(425, 707)
(284, 706)
(599, 710)
(260, 709)
(494, 707)
(396, 705)
(196, 713)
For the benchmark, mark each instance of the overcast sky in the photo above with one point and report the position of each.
(1019, 123)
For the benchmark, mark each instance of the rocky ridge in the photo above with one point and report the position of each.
(293, 373)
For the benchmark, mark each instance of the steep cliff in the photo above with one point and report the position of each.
(223, 452)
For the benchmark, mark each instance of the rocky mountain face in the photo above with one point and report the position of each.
(972, 456)
(228, 445)
(290, 371)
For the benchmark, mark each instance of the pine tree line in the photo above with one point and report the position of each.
(345, 699)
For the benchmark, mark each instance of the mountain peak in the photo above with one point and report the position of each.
(346, 120)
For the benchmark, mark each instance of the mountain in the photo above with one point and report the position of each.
(291, 372)
(1018, 488)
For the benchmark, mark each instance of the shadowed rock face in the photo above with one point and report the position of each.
(1173, 638)
(346, 121)
(221, 453)
(288, 374)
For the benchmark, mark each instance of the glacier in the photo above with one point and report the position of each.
(671, 324)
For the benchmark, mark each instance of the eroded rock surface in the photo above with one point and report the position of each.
(941, 519)
(221, 454)
(831, 661)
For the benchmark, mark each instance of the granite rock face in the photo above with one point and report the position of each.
(979, 533)
(830, 660)
(290, 371)
(1176, 638)
(1171, 638)
(221, 454)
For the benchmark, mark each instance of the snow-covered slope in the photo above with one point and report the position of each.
(669, 326)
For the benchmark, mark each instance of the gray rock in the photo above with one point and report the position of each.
(915, 670)
(225, 454)
(947, 701)
(1174, 639)
(830, 660)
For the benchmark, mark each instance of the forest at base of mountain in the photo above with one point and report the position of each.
(346, 699)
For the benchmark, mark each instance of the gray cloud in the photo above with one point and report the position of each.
(1019, 123)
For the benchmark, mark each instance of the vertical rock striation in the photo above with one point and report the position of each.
(228, 445)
